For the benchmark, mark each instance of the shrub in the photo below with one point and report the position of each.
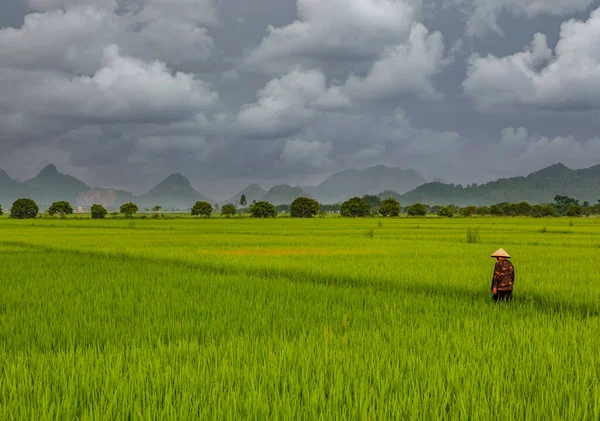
(24, 209)
(483, 210)
(574, 210)
(372, 201)
(202, 209)
(98, 212)
(418, 209)
(472, 235)
(228, 210)
(446, 212)
(390, 207)
(263, 209)
(468, 211)
(355, 207)
(304, 207)
(496, 210)
(129, 209)
(523, 209)
(61, 208)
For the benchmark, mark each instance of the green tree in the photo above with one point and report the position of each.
(202, 209)
(61, 208)
(389, 207)
(263, 209)
(228, 210)
(574, 210)
(129, 209)
(283, 208)
(98, 212)
(468, 211)
(24, 209)
(562, 203)
(304, 207)
(418, 209)
(496, 210)
(156, 209)
(523, 209)
(1, 211)
(373, 201)
(549, 210)
(446, 212)
(483, 210)
(330, 208)
(243, 201)
(509, 209)
(355, 207)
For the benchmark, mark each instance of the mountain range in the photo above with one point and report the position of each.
(538, 187)
(408, 186)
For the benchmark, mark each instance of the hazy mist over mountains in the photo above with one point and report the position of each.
(408, 186)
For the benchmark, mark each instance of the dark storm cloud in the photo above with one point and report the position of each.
(229, 92)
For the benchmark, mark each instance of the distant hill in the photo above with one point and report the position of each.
(174, 191)
(109, 198)
(538, 187)
(283, 194)
(252, 192)
(372, 180)
(50, 186)
(9, 190)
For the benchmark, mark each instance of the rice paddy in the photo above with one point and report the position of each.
(329, 318)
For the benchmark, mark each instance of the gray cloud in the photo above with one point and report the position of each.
(335, 31)
(483, 14)
(563, 79)
(123, 92)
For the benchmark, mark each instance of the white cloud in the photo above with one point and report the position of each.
(69, 41)
(568, 78)
(517, 150)
(283, 105)
(402, 70)
(484, 14)
(288, 103)
(124, 90)
(334, 31)
(73, 40)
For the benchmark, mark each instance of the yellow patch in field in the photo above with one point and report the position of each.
(242, 252)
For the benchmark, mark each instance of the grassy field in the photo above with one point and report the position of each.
(358, 319)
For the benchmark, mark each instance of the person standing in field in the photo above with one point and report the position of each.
(504, 277)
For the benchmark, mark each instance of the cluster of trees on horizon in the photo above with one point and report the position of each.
(305, 207)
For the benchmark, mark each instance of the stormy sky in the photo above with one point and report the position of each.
(122, 93)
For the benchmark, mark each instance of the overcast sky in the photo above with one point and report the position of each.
(122, 93)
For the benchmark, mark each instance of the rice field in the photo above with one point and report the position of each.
(322, 319)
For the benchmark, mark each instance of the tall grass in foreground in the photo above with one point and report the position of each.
(296, 320)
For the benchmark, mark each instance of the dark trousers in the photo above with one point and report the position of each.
(503, 296)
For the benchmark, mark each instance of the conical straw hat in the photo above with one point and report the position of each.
(501, 253)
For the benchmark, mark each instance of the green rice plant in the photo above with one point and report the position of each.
(473, 235)
(98, 321)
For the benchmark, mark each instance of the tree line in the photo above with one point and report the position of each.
(305, 207)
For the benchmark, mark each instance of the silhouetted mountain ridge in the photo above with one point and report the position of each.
(253, 192)
(283, 194)
(538, 187)
(176, 191)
